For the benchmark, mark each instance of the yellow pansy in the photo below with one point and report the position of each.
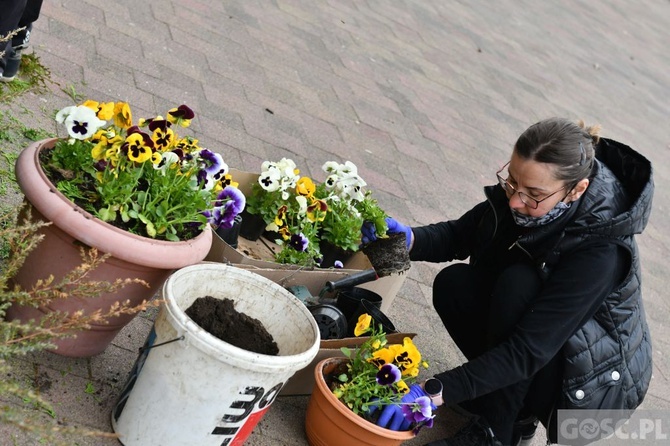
(402, 386)
(122, 116)
(363, 324)
(305, 187)
(137, 150)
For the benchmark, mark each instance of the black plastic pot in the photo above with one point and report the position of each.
(330, 320)
(252, 226)
(378, 318)
(349, 300)
(230, 235)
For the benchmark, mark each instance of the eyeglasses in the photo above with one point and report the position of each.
(525, 199)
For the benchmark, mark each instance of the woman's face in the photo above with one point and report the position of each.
(534, 182)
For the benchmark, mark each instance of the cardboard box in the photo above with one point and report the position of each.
(259, 254)
(302, 382)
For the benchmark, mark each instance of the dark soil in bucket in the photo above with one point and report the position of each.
(388, 255)
(220, 318)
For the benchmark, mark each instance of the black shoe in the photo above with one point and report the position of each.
(524, 430)
(13, 60)
(12, 64)
(476, 433)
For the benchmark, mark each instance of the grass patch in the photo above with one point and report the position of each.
(14, 136)
(32, 76)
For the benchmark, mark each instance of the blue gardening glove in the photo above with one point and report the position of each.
(370, 234)
(392, 416)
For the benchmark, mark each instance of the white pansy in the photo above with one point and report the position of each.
(63, 113)
(302, 204)
(168, 159)
(81, 122)
(269, 180)
(330, 167)
(348, 169)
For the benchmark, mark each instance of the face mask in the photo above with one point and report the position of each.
(530, 222)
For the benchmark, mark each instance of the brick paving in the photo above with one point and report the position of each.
(425, 97)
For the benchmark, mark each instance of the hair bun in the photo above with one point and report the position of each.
(593, 130)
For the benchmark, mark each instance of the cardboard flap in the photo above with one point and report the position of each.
(392, 338)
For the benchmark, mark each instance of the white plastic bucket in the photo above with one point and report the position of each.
(195, 389)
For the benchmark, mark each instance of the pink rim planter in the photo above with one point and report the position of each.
(132, 256)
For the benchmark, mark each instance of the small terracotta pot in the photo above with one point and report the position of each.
(72, 228)
(330, 423)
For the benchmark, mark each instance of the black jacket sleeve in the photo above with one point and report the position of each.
(570, 296)
(450, 240)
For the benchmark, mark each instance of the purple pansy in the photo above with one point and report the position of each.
(213, 162)
(229, 203)
(420, 411)
(299, 242)
(388, 374)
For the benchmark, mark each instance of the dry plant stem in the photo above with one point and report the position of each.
(9, 36)
(21, 338)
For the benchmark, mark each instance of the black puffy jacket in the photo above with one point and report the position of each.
(604, 339)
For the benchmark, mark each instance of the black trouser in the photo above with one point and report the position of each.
(16, 14)
(479, 312)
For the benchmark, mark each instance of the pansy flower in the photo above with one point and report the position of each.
(382, 356)
(388, 374)
(317, 210)
(104, 140)
(162, 135)
(103, 110)
(181, 115)
(299, 242)
(168, 159)
(280, 218)
(138, 147)
(420, 411)
(406, 357)
(229, 202)
(80, 121)
(123, 117)
(363, 324)
(188, 144)
(269, 180)
(305, 187)
(284, 231)
(212, 162)
(204, 180)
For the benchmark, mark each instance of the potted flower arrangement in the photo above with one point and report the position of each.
(340, 230)
(320, 224)
(351, 392)
(291, 212)
(139, 193)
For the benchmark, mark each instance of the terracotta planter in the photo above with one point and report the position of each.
(132, 256)
(330, 423)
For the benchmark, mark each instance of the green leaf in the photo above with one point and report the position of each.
(107, 214)
(151, 230)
